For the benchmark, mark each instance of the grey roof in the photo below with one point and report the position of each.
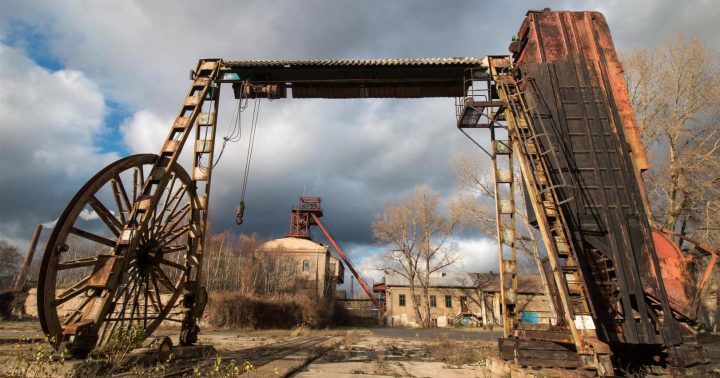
(488, 282)
(356, 62)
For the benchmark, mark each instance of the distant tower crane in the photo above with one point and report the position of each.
(307, 214)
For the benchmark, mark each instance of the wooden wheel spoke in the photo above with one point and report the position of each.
(135, 187)
(135, 301)
(173, 220)
(72, 264)
(175, 235)
(159, 216)
(157, 290)
(174, 212)
(173, 264)
(70, 294)
(141, 177)
(106, 216)
(153, 300)
(78, 310)
(121, 198)
(145, 293)
(94, 237)
(174, 249)
(125, 292)
(164, 280)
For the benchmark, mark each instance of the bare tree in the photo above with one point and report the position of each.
(675, 93)
(9, 259)
(417, 234)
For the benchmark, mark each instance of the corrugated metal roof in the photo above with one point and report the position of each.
(356, 62)
(488, 282)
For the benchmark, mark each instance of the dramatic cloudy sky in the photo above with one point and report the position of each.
(83, 83)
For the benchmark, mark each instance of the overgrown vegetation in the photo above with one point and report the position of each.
(236, 309)
(32, 357)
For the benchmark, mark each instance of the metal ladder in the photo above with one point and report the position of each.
(505, 221)
(204, 88)
(536, 157)
(482, 109)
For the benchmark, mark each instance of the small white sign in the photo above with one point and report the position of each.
(584, 322)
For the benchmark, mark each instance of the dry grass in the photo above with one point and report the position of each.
(232, 309)
(459, 353)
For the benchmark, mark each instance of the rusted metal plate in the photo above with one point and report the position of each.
(555, 36)
(569, 69)
(102, 271)
(673, 267)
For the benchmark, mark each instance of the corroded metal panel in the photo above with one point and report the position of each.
(568, 67)
(555, 36)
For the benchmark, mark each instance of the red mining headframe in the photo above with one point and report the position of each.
(307, 214)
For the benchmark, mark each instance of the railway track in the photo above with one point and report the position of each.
(258, 356)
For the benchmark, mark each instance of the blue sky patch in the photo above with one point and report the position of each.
(34, 42)
(111, 140)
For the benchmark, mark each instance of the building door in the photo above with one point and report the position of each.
(463, 305)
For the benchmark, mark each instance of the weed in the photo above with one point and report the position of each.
(350, 339)
(455, 353)
(33, 357)
(301, 330)
(224, 369)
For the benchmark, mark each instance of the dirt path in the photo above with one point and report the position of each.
(376, 352)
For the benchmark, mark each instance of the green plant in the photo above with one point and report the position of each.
(33, 357)
(121, 343)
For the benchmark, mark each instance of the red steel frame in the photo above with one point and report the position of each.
(307, 214)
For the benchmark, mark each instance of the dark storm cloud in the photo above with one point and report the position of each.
(358, 155)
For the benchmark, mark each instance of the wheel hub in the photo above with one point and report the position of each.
(148, 256)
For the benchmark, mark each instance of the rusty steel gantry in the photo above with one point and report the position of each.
(557, 108)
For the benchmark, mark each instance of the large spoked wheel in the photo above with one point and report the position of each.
(152, 276)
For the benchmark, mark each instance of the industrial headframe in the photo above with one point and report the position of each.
(557, 108)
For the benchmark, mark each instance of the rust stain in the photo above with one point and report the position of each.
(554, 36)
(673, 266)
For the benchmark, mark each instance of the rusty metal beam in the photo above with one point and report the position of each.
(349, 264)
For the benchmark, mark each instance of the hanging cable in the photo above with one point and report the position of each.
(234, 135)
(251, 143)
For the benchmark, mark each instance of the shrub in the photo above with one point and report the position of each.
(234, 309)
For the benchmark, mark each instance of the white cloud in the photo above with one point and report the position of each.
(49, 125)
(476, 255)
(145, 132)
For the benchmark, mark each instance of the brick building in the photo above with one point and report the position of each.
(467, 298)
(305, 263)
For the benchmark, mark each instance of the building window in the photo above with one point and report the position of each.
(433, 301)
(416, 300)
(448, 301)
(306, 265)
(402, 300)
